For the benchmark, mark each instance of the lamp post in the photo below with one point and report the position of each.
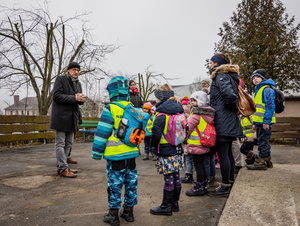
(99, 79)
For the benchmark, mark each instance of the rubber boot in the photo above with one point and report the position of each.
(112, 217)
(166, 207)
(222, 191)
(187, 179)
(259, 164)
(127, 213)
(176, 195)
(250, 158)
(199, 189)
(269, 162)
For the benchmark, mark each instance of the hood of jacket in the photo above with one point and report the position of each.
(207, 113)
(269, 82)
(169, 107)
(231, 69)
(118, 89)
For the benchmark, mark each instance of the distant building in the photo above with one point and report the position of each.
(26, 106)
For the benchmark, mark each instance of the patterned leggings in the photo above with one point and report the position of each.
(171, 180)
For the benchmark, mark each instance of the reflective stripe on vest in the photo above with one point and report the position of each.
(114, 146)
(162, 139)
(258, 116)
(247, 127)
(194, 136)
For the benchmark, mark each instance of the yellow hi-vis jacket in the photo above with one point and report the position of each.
(149, 126)
(194, 136)
(247, 127)
(115, 148)
(258, 116)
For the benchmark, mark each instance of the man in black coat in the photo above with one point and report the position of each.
(65, 116)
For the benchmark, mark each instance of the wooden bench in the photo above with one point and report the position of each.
(88, 127)
(287, 128)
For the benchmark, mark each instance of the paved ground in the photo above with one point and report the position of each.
(32, 194)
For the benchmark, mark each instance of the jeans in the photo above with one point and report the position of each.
(189, 163)
(210, 167)
(63, 146)
(263, 138)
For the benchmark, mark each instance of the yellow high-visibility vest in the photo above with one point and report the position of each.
(258, 116)
(247, 127)
(194, 136)
(114, 146)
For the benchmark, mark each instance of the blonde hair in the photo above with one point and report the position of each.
(165, 87)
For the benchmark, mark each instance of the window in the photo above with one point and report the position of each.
(27, 112)
(22, 112)
(11, 112)
(17, 112)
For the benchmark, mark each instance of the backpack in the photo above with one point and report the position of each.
(131, 130)
(175, 128)
(246, 104)
(207, 133)
(279, 100)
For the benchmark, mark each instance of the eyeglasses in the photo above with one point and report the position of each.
(76, 69)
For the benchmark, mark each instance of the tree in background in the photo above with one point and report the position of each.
(35, 49)
(261, 35)
(149, 82)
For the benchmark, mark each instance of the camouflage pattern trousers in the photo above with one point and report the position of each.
(121, 173)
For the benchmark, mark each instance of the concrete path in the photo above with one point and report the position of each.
(31, 193)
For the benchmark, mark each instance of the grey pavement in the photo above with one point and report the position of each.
(31, 193)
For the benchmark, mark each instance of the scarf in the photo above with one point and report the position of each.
(134, 91)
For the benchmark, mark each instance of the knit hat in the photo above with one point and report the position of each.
(163, 95)
(200, 97)
(260, 73)
(206, 81)
(218, 59)
(73, 65)
(118, 89)
(185, 100)
(187, 109)
(148, 105)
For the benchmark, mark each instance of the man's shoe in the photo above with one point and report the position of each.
(259, 164)
(67, 173)
(222, 191)
(71, 161)
(73, 171)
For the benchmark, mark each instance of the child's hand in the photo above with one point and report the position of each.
(266, 127)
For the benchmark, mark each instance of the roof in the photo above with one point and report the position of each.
(28, 103)
(181, 90)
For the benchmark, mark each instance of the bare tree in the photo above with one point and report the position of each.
(149, 82)
(35, 49)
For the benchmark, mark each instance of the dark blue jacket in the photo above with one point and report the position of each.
(224, 99)
(268, 99)
(168, 107)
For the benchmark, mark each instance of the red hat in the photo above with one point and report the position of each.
(148, 105)
(185, 100)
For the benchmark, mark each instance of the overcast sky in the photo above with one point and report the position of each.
(174, 36)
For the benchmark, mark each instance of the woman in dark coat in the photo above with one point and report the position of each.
(134, 96)
(224, 99)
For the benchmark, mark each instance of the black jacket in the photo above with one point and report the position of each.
(136, 100)
(65, 109)
(224, 99)
(169, 107)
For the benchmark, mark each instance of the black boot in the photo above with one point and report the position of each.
(259, 164)
(175, 206)
(166, 207)
(250, 158)
(127, 213)
(188, 178)
(112, 217)
(222, 191)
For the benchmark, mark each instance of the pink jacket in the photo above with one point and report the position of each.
(207, 113)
